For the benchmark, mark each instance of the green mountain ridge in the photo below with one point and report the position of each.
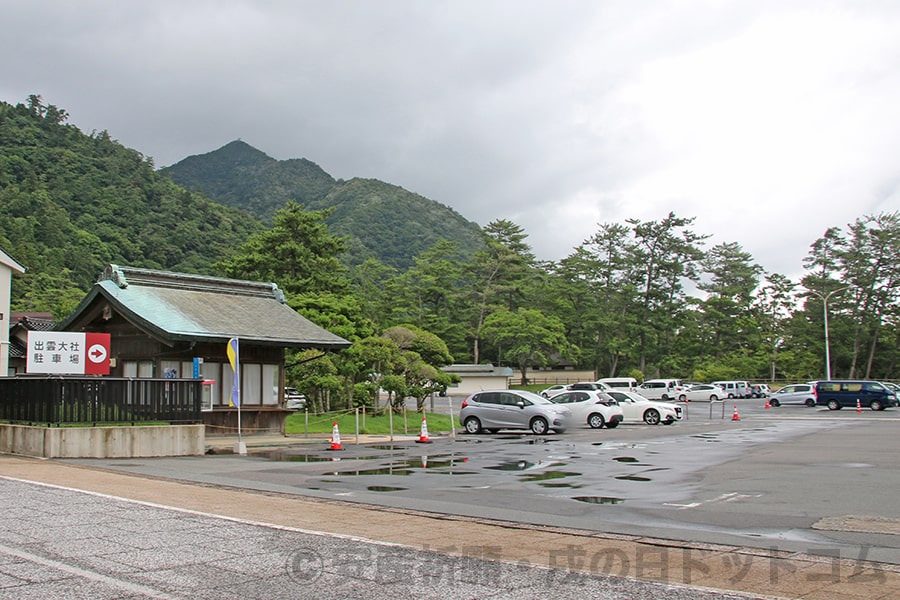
(70, 203)
(381, 220)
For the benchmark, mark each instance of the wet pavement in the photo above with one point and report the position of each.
(739, 507)
(685, 483)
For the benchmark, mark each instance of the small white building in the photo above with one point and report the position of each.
(8, 266)
(478, 377)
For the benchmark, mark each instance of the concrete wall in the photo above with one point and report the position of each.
(475, 383)
(103, 442)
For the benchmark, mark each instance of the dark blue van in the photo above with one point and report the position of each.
(869, 394)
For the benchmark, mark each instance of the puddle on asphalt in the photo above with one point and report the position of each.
(599, 499)
(401, 470)
(633, 478)
(283, 456)
(513, 465)
(384, 488)
(625, 459)
(573, 486)
(544, 475)
(409, 466)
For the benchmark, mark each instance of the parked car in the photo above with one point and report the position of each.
(892, 386)
(795, 393)
(865, 394)
(588, 385)
(553, 390)
(581, 385)
(593, 407)
(702, 392)
(661, 389)
(734, 389)
(652, 412)
(294, 400)
(759, 390)
(494, 410)
(626, 384)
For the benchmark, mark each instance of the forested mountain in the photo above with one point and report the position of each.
(381, 220)
(71, 203)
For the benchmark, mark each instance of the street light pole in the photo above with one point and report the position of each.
(825, 313)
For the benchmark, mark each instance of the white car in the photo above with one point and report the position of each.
(702, 392)
(637, 408)
(593, 407)
(553, 390)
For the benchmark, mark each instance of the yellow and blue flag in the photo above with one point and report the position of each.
(234, 360)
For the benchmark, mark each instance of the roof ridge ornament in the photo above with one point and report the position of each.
(115, 274)
(278, 293)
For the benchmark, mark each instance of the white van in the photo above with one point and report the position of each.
(661, 389)
(735, 389)
(620, 384)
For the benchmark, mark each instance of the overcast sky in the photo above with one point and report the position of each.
(768, 121)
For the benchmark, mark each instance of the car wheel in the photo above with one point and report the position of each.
(651, 417)
(876, 405)
(774, 403)
(612, 424)
(664, 397)
(834, 405)
(596, 420)
(809, 402)
(539, 426)
(473, 425)
(731, 396)
(713, 397)
(682, 398)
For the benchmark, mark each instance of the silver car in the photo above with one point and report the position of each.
(795, 393)
(493, 410)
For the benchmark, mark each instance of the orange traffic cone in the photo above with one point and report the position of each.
(423, 433)
(735, 416)
(768, 404)
(335, 438)
(858, 406)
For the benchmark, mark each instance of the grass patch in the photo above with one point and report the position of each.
(370, 424)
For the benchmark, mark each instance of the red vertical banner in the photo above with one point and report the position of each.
(96, 354)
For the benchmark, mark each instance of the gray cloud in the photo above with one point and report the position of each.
(768, 121)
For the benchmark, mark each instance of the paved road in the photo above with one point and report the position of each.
(62, 543)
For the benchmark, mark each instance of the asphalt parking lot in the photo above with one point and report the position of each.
(787, 479)
(791, 502)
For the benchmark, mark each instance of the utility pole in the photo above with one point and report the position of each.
(825, 313)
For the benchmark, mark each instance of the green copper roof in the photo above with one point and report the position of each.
(177, 307)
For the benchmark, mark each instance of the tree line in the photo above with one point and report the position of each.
(639, 298)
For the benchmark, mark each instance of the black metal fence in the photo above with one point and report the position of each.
(94, 400)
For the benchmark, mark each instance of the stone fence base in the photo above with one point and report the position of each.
(103, 442)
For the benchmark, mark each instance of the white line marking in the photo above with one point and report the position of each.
(134, 588)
